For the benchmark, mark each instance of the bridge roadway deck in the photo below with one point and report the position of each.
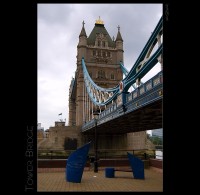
(53, 179)
(145, 118)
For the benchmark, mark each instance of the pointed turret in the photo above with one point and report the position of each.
(119, 37)
(82, 43)
(119, 46)
(83, 33)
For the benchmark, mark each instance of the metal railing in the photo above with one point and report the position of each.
(102, 153)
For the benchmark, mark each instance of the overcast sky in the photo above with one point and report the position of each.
(59, 26)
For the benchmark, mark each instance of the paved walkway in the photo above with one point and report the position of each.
(54, 180)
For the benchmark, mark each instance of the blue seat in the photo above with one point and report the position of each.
(75, 164)
(110, 172)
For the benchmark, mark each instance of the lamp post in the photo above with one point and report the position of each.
(96, 114)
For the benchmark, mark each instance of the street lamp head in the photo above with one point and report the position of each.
(96, 114)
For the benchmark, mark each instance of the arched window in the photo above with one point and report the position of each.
(104, 43)
(101, 74)
(112, 76)
(99, 43)
(99, 53)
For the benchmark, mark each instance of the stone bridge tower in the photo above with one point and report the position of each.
(102, 55)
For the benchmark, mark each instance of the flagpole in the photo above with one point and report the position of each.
(61, 116)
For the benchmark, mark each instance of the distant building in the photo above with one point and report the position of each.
(40, 131)
(39, 127)
(57, 136)
(46, 133)
(59, 123)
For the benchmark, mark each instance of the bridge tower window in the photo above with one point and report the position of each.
(101, 74)
(112, 76)
(99, 53)
(99, 43)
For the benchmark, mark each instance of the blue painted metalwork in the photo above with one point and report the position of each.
(124, 70)
(109, 172)
(94, 90)
(76, 163)
(128, 81)
(137, 166)
(147, 93)
(152, 39)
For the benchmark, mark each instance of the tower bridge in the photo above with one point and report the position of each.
(102, 84)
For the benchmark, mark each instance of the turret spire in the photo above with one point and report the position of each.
(83, 33)
(119, 37)
(118, 28)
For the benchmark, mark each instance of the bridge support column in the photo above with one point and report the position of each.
(138, 82)
(124, 100)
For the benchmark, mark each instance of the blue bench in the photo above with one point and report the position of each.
(137, 168)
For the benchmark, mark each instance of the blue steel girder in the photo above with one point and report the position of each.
(125, 72)
(132, 106)
(146, 50)
(92, 82)
(144, 70)
(147, 93)
(97, 94)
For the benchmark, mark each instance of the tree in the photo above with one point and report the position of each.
(156, 140)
